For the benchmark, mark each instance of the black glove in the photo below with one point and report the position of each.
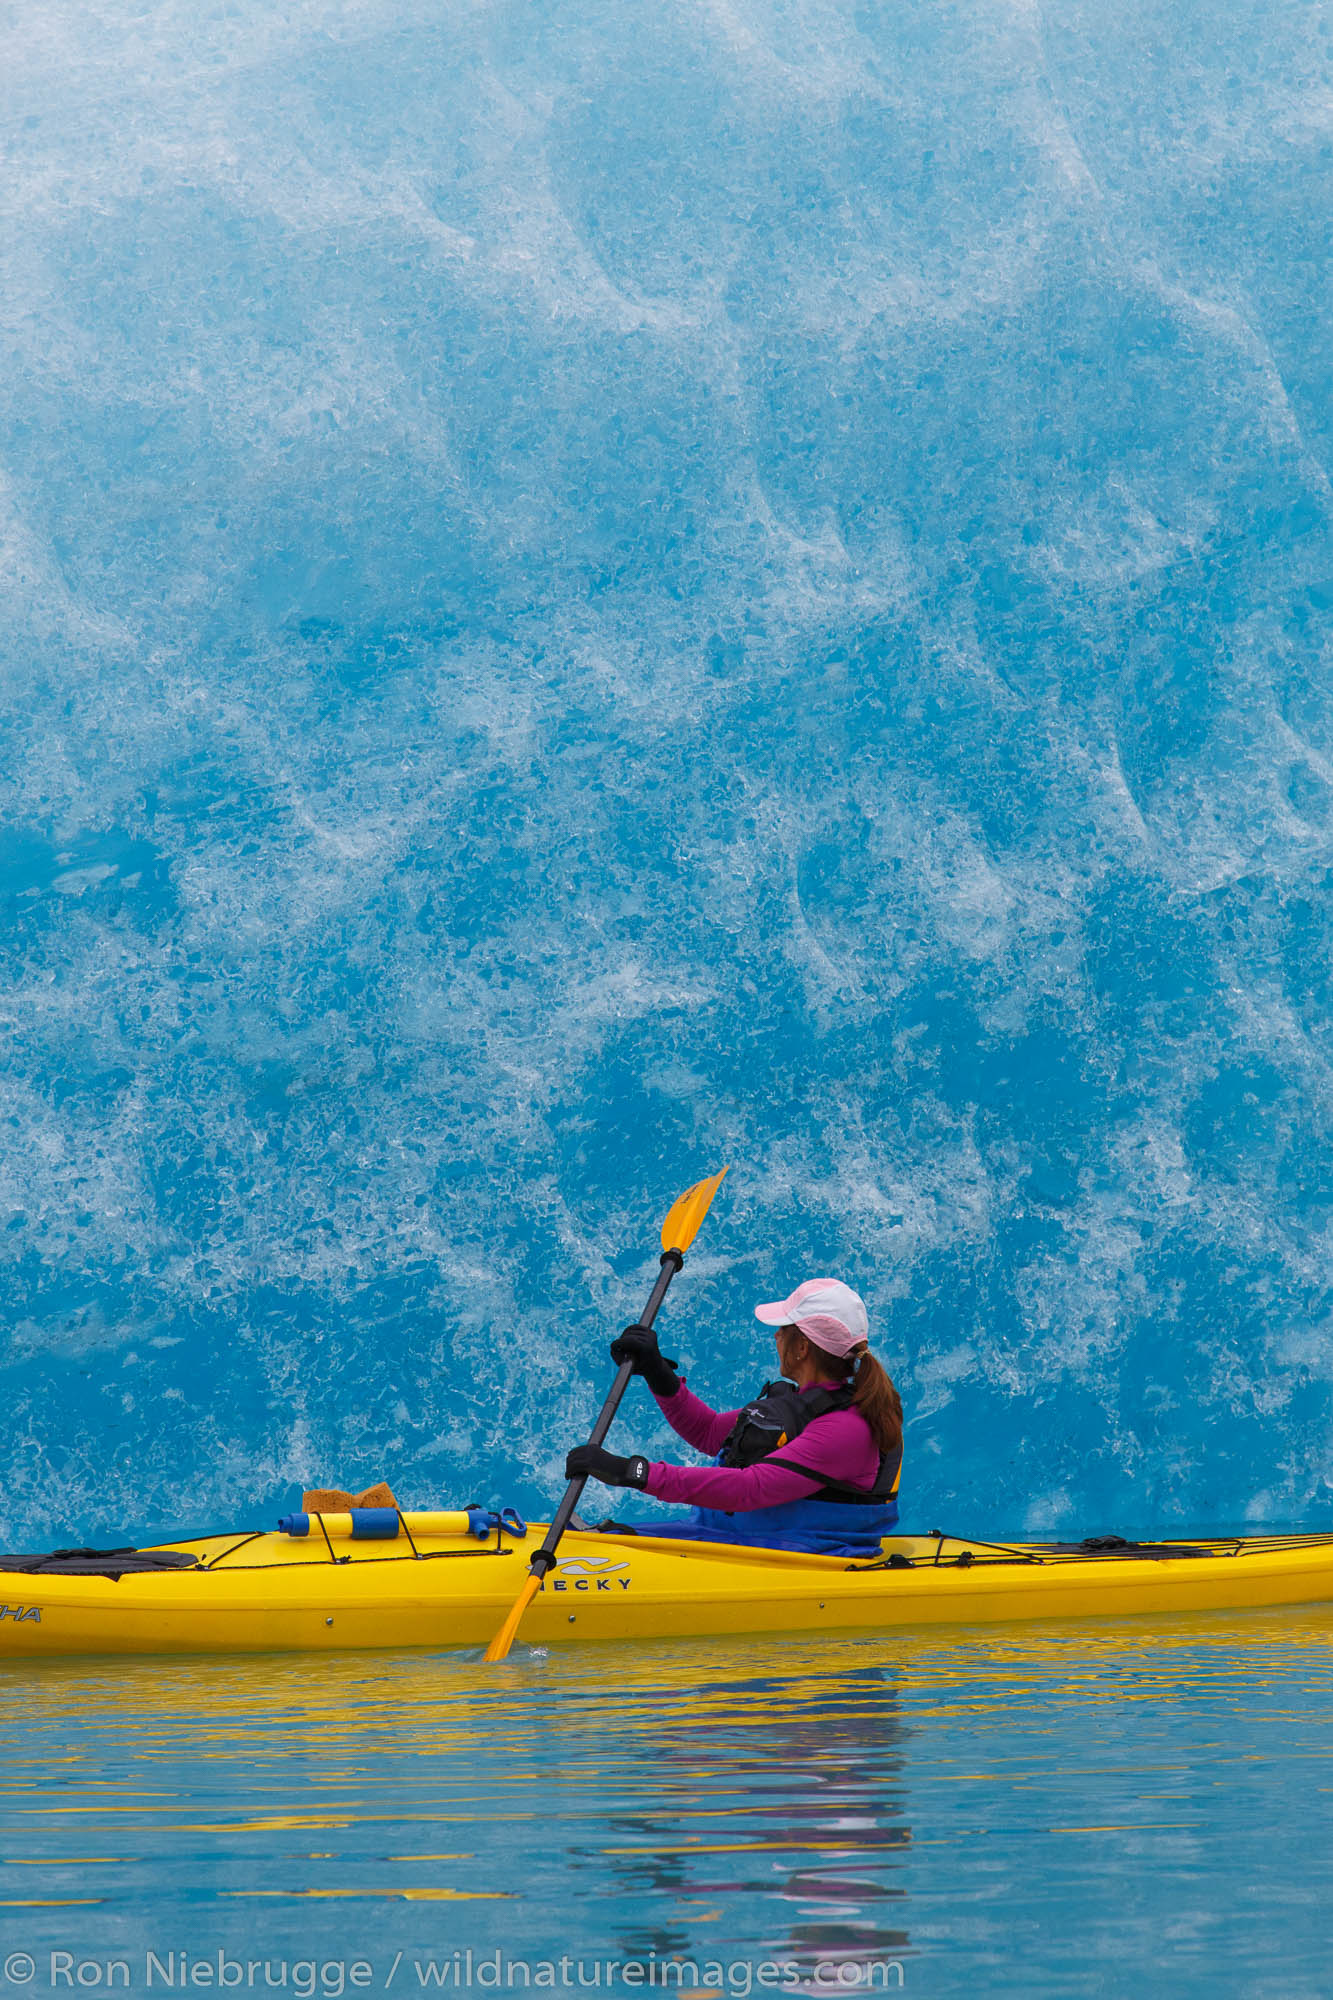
(589, 1461)
(639, 1345)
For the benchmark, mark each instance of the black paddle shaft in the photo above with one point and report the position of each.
(545, 1556)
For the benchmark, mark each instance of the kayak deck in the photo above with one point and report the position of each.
(259, 1592)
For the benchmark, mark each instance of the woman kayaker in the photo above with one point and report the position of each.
(812, 1463)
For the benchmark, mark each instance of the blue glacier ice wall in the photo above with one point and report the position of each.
(593, 590)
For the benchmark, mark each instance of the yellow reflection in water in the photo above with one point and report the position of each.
(800, 1740)
(394, 1894)
(48, 1902)
(434, 1702)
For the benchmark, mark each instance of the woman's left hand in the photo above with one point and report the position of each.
(589, 1461)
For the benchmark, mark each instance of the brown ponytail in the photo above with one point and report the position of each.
(878, 1401)
(873, 1393)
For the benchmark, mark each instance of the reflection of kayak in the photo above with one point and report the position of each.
(425, 1580)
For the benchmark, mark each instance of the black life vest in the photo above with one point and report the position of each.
(781, 1412)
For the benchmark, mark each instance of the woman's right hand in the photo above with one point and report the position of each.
(638, 1344)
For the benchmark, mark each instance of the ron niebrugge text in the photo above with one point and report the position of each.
(329, 1979)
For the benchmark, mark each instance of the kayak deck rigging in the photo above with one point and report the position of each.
(941, 1551)
(441, 1586)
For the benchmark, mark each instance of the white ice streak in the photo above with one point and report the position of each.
(36, 601)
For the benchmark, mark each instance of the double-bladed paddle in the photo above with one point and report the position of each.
(678, 1232)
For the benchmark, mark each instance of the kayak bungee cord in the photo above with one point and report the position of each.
(678, 1232)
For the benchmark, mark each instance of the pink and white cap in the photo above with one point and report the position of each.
(827, 1312)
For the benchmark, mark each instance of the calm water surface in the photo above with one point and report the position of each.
(1126, 1809)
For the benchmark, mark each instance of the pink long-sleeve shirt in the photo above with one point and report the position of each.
(838, 1444)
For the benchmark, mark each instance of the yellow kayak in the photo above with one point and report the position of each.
(431, 1582)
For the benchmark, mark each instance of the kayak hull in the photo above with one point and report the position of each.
(269, 1593)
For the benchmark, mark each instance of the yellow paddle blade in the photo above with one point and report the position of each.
(508, 1632)
(682, 1225)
